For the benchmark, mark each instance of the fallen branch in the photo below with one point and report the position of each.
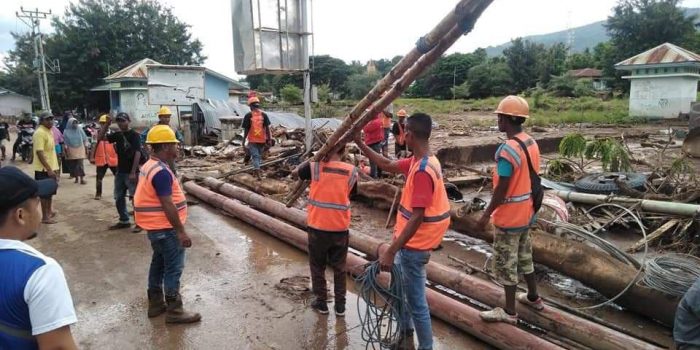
(653, 236)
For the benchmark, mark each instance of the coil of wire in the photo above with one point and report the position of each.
(672, 274)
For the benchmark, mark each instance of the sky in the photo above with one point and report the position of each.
(358, 29)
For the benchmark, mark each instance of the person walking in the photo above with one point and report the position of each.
(422, 219)
(511, 210)
(160, 207)
(256, 131)
(45, 163)
(399, 131)
(328, 223)
(4, 135)
(686, 325)
(128, 146)
(36, 308)
(58, 142)
(76, 143)
(104, 156)
(374, 139)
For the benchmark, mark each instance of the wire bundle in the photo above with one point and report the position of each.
(381, 317)
(672, 274)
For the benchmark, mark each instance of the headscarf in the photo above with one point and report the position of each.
(74, 136)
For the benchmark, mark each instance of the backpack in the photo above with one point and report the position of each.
(537, 192)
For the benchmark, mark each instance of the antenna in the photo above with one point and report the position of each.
(570, 32)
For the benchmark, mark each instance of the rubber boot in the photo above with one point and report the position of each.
(175, 312)
(405, 341)
(156, 303)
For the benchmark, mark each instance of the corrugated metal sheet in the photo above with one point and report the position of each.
(662, 54)
(136, 70)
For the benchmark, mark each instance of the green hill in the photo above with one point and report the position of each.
(586, 36)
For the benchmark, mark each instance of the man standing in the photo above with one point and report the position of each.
(421, 221)
(23, 124)
(4, 135)
(104, 156)
(160, 207)
(36, 308)
(164, 116)
(386, 124)
(256, 130)
(374, 138)
(328, 223)
(399, 131)
(686, 326)
(511, 210)
(45, 162)
(128, 146)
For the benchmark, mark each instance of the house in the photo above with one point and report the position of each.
(595, 75)
(663, 81)
(129, 87)
(238, 92)
(14, 104)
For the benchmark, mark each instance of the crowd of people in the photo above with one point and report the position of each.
(36, 309)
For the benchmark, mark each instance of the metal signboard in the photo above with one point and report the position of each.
(175, 85)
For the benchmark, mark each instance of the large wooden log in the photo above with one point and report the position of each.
(466, 318)
(578, 329)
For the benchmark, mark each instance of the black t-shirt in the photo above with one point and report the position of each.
(396, 131)
(4, 131)
(126, 143)
(247, 121)
(23, 124)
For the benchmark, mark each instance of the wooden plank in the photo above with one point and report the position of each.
(654, 235)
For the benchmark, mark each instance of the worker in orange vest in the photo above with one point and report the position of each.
(328, 223)
(422, 219)
(256, 131)
(511, 210)
(160, 208)
(399, 132)
(104, 157)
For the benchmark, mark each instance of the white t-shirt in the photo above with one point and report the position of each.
(35, 290)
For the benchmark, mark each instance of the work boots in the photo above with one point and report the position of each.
(156, 302)
(175, 312)
(405, 341)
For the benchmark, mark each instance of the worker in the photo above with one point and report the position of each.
(160, 208)
(511, 210)
(256, 131)
(328, 223)
(104, 156)
(374, 139)
(686, 326)
(164, 116)
(421, 222)
(399, 132)
(386, 124)
(36, 308)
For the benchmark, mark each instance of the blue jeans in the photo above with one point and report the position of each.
(122, 185)
(167, 262)
(417, 314)
(374, 170)
(256, 152)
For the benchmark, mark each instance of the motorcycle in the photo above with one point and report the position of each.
(26, 145)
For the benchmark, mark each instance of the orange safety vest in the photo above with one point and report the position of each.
(437, 216)
(329, 196)
(105, 154)
(386, 121)
(401, 140)
(516, 212)
(256, 134)
(147, 207)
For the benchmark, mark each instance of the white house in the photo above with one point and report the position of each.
(14, 104)
(663, 81)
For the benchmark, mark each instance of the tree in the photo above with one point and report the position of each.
(324, 93)
(291, 94)
(96, 37)
(580, 60)
(20, 76)
(551, 62)
(449, 70)
(522, 58)
(358, 85)
(331, 71)
(489, 79)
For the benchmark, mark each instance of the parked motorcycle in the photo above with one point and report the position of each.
(26, 150)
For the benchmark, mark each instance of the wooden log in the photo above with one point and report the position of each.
(581, 330)
(267, 186)
(464, 317)
(653, 236)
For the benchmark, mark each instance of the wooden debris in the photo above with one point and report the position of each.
(653, 236)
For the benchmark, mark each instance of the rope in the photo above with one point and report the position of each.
(672, 274)
(380, 319)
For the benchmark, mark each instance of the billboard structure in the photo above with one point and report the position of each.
(271, 36)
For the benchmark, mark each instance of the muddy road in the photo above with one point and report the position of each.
(231, 277)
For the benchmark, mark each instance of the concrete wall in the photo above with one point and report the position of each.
(663, 97)
(215, 88)
(15, 105)
(135, 102)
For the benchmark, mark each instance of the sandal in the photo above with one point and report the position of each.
(499, 315)
(119, 226)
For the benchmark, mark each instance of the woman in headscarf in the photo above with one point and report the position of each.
(58, 141)
(76, 143)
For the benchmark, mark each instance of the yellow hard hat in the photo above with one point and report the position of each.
(103, 118)
(161, 134)
(164, 111)
(402, 113)
(514, 106)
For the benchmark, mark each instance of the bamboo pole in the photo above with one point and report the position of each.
(466, 318)
(583, 331)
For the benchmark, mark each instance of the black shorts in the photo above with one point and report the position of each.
(43, 175)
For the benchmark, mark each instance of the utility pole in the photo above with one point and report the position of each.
(31, 18)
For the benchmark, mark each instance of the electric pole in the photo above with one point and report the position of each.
(31, 18)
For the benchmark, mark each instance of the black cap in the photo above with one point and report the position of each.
(123, 116)
(16, 187)
(45, 115)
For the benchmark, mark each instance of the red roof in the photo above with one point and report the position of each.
(663, 54)
(586, 73)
